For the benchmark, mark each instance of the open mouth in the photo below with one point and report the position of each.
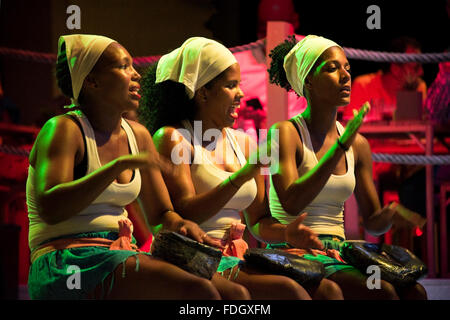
(233, 110)
(135, 91)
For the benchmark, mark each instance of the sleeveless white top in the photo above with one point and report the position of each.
(206, 176)
(326, 211)
(104, 212)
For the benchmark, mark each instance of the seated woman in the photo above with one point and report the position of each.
(189, 102)
(321, 163)
(85, 167)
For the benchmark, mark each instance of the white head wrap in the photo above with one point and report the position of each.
(299, 61)
(195, 63)
(82, 51)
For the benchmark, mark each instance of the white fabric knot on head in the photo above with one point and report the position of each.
(82, 52)
(302, 57)
(195, 63)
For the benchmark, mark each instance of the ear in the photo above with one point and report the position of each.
(203, 94)
(90, 81)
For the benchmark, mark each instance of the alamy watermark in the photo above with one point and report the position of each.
(74, 20)
(374, 280)
(265, 153)
(374, 20)
(74, 279)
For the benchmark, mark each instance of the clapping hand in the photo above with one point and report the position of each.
(353, 125)
(300, 236)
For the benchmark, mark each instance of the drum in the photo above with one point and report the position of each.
(274, 261)
(398, 265)
(190, 255)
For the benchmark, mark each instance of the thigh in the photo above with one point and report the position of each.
(269, 286)
(354, 286)
(325, 290)
(229, 290)
(413, 292)
(146, 277)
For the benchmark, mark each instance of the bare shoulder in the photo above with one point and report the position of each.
(139, 130)
(168, 134)
(285, 133)
(58, 133)
(361, 149)
(59, 127)
(282, 125)
(142, 135)
(283, 128)
(167, 137)
(61, 121)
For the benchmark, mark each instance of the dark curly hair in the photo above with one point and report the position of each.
(162, 104)
(277, 74)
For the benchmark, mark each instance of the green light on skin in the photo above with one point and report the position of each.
(44, 139)
(255, 229)
(156, 229)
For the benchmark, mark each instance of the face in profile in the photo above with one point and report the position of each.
(114, 79)
(330, 81)
(224, 97)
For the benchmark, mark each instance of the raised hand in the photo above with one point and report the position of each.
(300, 236)
(353, 125)
(388, 211)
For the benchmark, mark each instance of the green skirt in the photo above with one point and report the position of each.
(74, 273)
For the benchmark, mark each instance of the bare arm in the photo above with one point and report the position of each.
(268, 229)
(376, 220)
(59, 196)
(195, 206)
(295, 192)
(154, 198)
(258, 218)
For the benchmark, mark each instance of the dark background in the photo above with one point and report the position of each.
(345, 23)
(155, 27)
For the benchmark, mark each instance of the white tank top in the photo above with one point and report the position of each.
(326, 211)
(104, 212)
(206, 176)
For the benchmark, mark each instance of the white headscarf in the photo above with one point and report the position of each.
(195, 63)
(83, 52)
(299, 61)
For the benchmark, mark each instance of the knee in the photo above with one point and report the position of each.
(388, 291)
(419, 292)
(239, 292)
(293, 290)
(414, 292)
(330, 290)
(202, 289)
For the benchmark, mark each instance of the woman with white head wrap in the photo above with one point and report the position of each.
(85, 167)
(193, 93)
(322, 163)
